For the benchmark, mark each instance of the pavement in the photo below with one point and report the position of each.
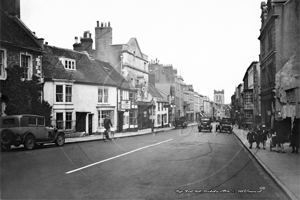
(282, 167)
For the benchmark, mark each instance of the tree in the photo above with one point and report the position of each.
(24, 96)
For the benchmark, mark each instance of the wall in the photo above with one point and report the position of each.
(81, 94)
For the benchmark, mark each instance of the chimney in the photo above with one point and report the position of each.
(12, 7)
(87, 42)
(103, 42)
(76, 45)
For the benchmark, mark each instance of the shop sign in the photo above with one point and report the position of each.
(125, 105)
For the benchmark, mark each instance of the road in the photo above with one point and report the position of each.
(177, 164)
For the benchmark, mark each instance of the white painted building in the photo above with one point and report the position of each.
(79, 90)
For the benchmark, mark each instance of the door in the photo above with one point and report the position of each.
(90, 124)
(80, 121)
(120, 121)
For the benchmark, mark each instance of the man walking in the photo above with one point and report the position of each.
(107, 125)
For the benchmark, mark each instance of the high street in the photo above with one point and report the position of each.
(180, 163)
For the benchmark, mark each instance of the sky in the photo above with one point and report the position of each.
(211, 43)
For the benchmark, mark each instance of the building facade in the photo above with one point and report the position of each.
(18, 47)
(278, 33)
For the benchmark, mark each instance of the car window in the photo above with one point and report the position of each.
(7, 122)
(31, 120)
(41, 121)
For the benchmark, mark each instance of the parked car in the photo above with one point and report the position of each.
(29, 130)
(181, 121)
(224, 125)
(204, 124)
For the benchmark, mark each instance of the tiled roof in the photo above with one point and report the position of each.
(14, 32)
(87, 70)
(155, 93)
(116, 76)
(164, 89)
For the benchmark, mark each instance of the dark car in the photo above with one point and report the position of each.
(29, 130)
(224, 125)
(204, 124)
(181, 122)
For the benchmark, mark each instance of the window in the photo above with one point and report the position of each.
(41, 121)
(61, 90)
(68, 120)
(59, 93)
(102, 115)
(158, 106)
(31, 121)
(2, 63)
(26, 66)
(131, 97)
(7, 122)
(270, 39)
(69, 64)
(121, 95)
(133, 117)
(158, 119)
(102, 95)
(68, 93)
(59, 120)
(165, 118)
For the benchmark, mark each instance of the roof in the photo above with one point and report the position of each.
(116, 76)
(155, 93)
(87, 70)
(15, 32)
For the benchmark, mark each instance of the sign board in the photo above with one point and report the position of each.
(125, 104)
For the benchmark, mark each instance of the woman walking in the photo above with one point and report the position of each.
(295, 136)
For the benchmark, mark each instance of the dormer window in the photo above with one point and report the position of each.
(69, 64)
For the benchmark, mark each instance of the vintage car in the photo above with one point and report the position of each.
(204, 124)
(29, 130)
(224, 125)
(181, 122)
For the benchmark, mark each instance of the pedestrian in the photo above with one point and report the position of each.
(261, 136)
(251, 137)
(107, 126)
(295, 136)
(281, 132)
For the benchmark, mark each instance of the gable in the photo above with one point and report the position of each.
(134, 48)
(15, 32)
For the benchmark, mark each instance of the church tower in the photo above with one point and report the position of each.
(219, 97)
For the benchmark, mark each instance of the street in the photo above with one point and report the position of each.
(177, 164)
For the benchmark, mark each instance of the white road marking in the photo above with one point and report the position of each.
(69, 172)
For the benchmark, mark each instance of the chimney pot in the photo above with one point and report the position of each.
(101, 24)
(33, 33)
(108, 24)
(97, 23)
(76, 40)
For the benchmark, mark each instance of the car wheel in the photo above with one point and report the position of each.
(60, 140)
(29, 142)
(6, 136)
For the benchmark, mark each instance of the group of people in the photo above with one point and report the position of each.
(259, 134)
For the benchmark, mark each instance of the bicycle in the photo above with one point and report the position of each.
(108, 135)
